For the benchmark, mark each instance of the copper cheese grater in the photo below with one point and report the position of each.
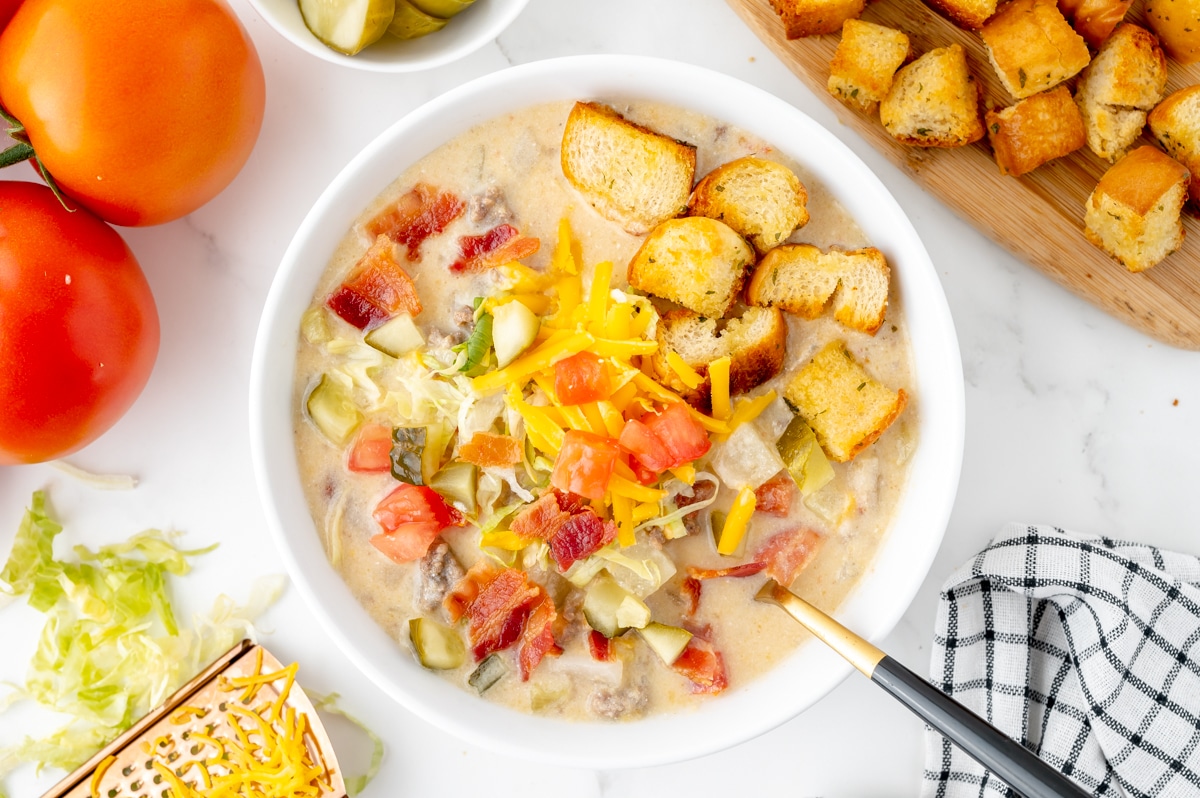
(185, 746)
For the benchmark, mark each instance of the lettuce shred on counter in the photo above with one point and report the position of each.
(111, 648)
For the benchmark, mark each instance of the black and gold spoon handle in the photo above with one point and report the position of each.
(1016, 765)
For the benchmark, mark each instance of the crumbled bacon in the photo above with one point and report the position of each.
(502, 244)
(540, 519)
(537, 640)
(600, 646)
(419, 214)
(496, 618)
(378, 289)
(745, 569)
(690, 590)
(703, 666)
(788, 553)
(572, 530)
(489, 449)
(774, 497)
(468, 588)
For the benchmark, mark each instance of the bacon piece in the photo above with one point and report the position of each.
(502, 244)
(540, 519)
(419, 214)
(583, 534)
(788, 553)
(489, 449)
(690, 590)
(774, 497)
(703, 666)
(537, 641)
(378, 289)
(570, 502)
(736, 571)
(496, 618)
(468, 588)
(600, 646)
(354, 308)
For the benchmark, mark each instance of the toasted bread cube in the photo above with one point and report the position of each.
(631, 175)
(1035, 130)
(801, 279)
(969, 14)
(865, 62)
(761, 200)
(1032, 48)
(1133, 213)
(697, 262)
(1094, 20)
(756, 344)
(1175, 122)
(814, 17)
(1126, 79)
(845, 407)
(934, 101)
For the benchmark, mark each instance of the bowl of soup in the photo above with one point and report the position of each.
(532, 420)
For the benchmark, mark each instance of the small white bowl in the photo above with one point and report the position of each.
(873, 607)
(466, 33)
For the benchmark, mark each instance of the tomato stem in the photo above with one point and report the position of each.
(21, 151)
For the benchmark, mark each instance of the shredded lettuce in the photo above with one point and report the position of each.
(111, 648)
(98, 481)
(354, 784)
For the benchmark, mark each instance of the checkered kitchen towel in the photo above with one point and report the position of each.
(1085, 649)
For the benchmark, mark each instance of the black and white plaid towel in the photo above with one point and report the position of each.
(1085, 649)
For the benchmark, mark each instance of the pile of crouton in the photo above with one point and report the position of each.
(1040, 50)
(718, 263)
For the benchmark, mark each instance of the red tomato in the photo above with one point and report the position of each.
(78, 326)
(415, 503)
(647, 450)
(580, 379)
(372, 449)
(7, 9)
(407, 542)
(585, 464)
(681, 435)
(141, 110)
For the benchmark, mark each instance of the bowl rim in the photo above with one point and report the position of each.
(875, 604)
(507, 11)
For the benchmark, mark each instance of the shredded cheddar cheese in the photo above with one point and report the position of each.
(541, 358)
(687, 375)
(737, 521)
(718, 373)
(563, 259)
(597, 306)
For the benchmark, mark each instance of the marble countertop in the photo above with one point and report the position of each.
(1072, 418)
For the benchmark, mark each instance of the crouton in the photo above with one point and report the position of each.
(1126, 79)
(756, 344)
(865, 62)
(630, 175)
(761, 200)
(1094, 20)
(1175, 23)
(1133, 214)
(1175, 122)
(934, 101)
(969, 14)
(697, 262)
(1035, 130)
(814, 17)
(802, 279)
(846, 409)
(1032, 48)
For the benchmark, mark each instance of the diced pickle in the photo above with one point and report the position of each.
(611, 609)
(331, 407)
(437, 437)
(347, 25)
(457, 483)
(396, 337)
(514, 328)
(437, 645)
(408, 445)
(668, 642)
(410, 22)
(490, 671)
(444, 9)
(803, 457)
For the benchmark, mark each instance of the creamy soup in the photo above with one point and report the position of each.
(458, 571)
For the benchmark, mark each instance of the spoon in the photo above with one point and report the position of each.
(1016, 765)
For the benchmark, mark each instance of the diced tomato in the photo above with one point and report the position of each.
(468, 588)
(416, 216)
(703, 666)
(774, 497)
(736, 571)
(690, 589)
(409, 541)
(496, 618)
(489, 449)
(537, 640)
(372, 449)
(645, 447)
(681, 435)
(644, 475)
(582, 535)
(600, 646)
(502, 244)
(378, 289)
(584, 464)
(788, 553)
(581, 378)
(409, 503)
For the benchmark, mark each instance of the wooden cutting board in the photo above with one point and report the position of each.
(1039, 217)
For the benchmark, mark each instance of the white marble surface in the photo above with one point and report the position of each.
(1072, 418)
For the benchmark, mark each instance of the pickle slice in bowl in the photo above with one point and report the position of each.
(443, 9)
(348, 25)
(410, 22)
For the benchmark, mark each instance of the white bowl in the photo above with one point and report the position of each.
(466, 33)
(873, 607)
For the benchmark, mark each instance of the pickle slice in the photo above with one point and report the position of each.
(332, 409)
(410, 22)
(347, 25)
(438, 646)
(443, 9)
